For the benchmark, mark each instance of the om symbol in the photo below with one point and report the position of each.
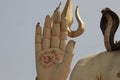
(51, 57)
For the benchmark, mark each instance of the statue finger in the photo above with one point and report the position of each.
(63, 34)
(69, 53)
(38, 40)
(55, 38)
(47, 32)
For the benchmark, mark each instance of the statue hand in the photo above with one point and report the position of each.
(53, 53)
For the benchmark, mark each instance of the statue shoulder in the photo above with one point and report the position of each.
(92, 66)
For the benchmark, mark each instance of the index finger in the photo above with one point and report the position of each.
(55, 38)
(63, 34)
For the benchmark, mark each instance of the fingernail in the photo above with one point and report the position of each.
(72, 43)
(38, 24)
(38, 28)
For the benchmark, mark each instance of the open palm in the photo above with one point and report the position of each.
(53, 53)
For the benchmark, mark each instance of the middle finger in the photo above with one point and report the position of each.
(55, 38)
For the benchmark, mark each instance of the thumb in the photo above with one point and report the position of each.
(69, 53)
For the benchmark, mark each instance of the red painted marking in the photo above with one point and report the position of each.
(118, 75)
(47, 59)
